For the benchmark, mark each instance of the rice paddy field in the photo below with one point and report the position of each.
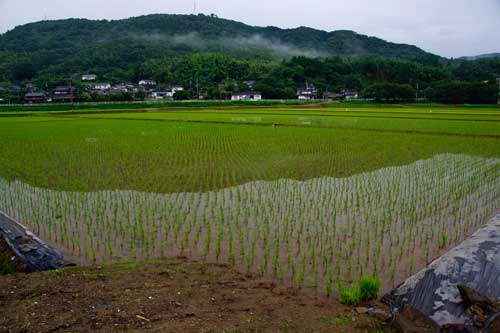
(308, 196)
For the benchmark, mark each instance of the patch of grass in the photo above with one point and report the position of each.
(369, 287)
(366, 289)
(337, 321)
(128, 265)
(340, 320)
(350, 295)
(139, 264)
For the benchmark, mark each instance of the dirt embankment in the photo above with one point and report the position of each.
(166, 296)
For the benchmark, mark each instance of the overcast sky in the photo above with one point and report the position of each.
(447, 27)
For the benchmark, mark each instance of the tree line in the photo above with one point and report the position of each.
(216, 76)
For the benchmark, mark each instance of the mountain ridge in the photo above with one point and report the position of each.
(481, 56)
(339, 42)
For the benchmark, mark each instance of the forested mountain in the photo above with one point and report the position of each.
(198, 32)
(119, 47)
(213, 55)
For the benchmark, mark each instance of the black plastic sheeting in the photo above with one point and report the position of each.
(474, 263)
(29, 249)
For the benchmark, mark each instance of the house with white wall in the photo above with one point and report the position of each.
(247, 96)
(89, 77)
(307, 92)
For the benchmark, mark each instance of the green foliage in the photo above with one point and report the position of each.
(369, 287)
(459, 92)
(200, 70)
(85, 97)
(337, 321)
(366, 289)
(479, 70)
(181, 95)
(391, 92)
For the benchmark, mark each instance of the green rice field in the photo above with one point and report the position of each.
(310, 196)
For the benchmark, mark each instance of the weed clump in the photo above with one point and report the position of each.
(369, 287)
(366, 289)
(350, 295)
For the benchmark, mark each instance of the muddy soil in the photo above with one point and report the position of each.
(166, 296)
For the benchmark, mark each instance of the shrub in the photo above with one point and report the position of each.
(369, 287)
(350, 295)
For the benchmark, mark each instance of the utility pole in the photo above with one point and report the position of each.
(195, 7)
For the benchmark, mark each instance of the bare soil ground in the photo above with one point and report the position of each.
(167, 296)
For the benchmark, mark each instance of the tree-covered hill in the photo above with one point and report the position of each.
(215, 57)
(481, 56)
(208, 30)
(119, 48)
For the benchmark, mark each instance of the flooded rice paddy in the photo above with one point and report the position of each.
(391, 222)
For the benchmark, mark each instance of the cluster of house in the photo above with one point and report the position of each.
(105, 88)
(309, 92)
(168, 93)
(63, 94)
(145, 86)
(306, 93)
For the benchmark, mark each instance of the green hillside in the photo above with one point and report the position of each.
(215, 57)
(120, 47)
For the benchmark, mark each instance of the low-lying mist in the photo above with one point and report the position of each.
(219, 44)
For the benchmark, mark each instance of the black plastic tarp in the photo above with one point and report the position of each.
(29, 249)
(475, 263)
